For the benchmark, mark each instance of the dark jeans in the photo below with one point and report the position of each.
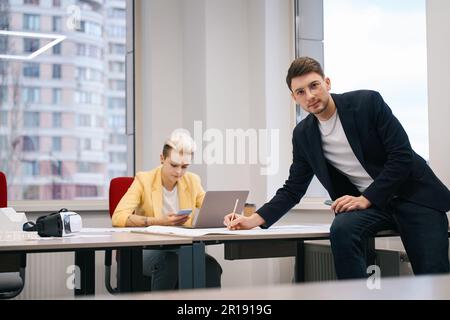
(424, 233)
(162, 267)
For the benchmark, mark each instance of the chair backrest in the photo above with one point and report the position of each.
(117, 188)
(3, 191)
(11, 282)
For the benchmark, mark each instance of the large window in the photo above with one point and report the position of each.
(372, 44)
(381, 45)
(55, 106)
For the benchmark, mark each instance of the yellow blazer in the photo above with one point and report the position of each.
(145, 196)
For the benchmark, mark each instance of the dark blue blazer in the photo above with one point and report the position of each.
(382, 147)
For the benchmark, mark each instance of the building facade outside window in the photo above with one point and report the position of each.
(60, 97)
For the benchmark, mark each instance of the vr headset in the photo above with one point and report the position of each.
(58, 224)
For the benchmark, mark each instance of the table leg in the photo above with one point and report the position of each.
(137, 275)
(185, 267)
(124, 265)
(370, 252)
(85, 272)
(300, 262)
(199, 271)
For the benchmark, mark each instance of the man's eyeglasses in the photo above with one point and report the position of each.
(313, 88)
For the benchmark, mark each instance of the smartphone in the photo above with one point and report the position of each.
(328, 202)
(184, 212)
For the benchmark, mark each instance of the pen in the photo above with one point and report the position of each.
(234, 210)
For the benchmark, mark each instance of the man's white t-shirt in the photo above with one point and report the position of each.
(338, 152)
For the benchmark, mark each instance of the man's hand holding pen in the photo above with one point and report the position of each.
(235, 221)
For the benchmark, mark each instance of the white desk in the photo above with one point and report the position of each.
(129, 244)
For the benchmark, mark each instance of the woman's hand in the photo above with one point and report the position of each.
(172, 219)
(241, 222)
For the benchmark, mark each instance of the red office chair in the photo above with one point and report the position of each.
(117, 188)
(3, 191)
(12, 266)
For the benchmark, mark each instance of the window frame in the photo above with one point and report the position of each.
(308, 40)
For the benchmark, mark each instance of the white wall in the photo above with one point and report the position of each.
(221, 62)
(159, 77)
(438, 35)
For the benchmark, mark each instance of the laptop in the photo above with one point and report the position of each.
(216, 205)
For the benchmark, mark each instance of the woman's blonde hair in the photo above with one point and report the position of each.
(181, 142)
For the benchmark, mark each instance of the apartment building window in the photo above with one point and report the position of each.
(56, 144)
(84, 120)
(31, 2)
(56, 49)
(114, 103)
(117, 84)
(87, 167)
(57, 193)
(31, 70)
(99, 121)
(43, 121)
(90, 28)
(31, 22)
(85, 144)
(31, 120)
(56, 71)
(116, 121)
(3, 92)
(57, 120)
(31, 95)
(56, 24)
(116, 31)
(116, 13)
(86, 191)
(116, 48)
(30, 45)
(88, 50)
(56, 167)
(117, 157)
(116, 66)
(3, 118)
(3, 42)
(30, 168)
(89, 74)
(30, 143)
(31, 192)
(118, 139)
(56, 96)
(3, 142)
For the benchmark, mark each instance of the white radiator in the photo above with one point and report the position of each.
(47, 277)
(319, 265)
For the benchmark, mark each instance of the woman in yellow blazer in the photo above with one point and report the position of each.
(154, 198)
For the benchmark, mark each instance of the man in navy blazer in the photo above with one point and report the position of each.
(361, 154)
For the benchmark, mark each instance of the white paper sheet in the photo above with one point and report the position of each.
(114, 230)
(288, 229)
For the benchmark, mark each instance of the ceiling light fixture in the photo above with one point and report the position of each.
(56, 39)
